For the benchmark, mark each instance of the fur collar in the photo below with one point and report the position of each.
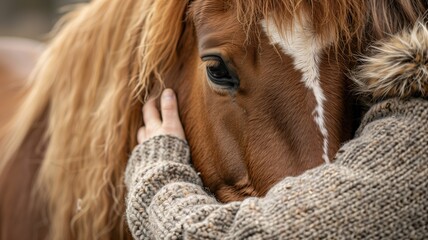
(396, 67)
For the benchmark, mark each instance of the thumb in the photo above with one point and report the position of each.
(169, 109)
(170, 116)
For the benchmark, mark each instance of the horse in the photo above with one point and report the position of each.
(263, 89)
(17, 59)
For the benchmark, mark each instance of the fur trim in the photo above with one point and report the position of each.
(398, 67)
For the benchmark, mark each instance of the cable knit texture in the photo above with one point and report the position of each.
(376, 188)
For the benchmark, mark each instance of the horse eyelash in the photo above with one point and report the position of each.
(215, 88)
(211, 63)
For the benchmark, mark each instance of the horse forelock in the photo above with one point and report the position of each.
(335, 21)
(344, 24)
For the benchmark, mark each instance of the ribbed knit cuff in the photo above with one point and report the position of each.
(158, 148)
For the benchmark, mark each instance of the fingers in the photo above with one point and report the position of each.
(151, 115)
(169, 109)
(170, 116)
(170, 123)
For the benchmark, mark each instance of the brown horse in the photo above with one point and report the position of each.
(262, 87)
(17, 59)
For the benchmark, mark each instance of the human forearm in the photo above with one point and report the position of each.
(167, 200)
(375, 188)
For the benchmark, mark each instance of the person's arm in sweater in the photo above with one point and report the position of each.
(375, 188)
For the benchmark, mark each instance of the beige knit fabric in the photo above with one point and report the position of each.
(377, 188)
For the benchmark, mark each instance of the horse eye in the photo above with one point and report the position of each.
(218, 73)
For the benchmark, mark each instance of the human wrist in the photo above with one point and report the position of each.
(155, 149)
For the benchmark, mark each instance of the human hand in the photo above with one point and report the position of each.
(170, 123)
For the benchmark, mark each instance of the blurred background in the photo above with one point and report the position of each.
(30, 18)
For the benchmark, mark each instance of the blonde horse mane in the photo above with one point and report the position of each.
(108, 55)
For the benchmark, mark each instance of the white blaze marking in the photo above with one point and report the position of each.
(300, 43)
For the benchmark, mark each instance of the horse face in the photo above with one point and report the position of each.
(250, 112)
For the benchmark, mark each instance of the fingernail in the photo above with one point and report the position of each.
(168, 94)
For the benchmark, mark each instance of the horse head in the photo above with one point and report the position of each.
(259, 101)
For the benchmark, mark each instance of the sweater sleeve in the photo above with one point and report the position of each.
(375, 188)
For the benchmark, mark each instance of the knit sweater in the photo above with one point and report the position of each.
(377, 187)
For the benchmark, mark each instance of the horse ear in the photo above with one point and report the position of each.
(397, 67)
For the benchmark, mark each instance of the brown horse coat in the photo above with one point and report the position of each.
(17, 59)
